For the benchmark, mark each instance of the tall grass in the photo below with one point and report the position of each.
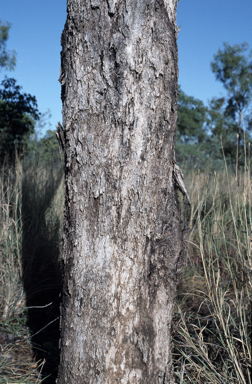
(31, 214)
(212, 330)
(212, 320)
(10, 238)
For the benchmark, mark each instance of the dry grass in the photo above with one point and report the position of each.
(212, 320)
(212, 323)
(31, 208)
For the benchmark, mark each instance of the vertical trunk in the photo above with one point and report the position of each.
(122, 238)
(239, 148)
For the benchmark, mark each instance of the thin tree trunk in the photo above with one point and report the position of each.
(239, 149)
(122, 238)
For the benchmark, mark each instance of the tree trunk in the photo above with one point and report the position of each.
(238, 149)
(122, 241)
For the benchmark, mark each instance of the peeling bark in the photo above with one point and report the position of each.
(122, 241)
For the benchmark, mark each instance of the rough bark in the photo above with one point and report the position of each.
(122, 238)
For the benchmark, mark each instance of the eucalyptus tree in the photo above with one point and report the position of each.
(233, 67)
(191, 135)
(7, 58)
(122, 242)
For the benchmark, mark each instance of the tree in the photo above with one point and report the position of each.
(191, 130)
(18, 113)
(233, 68)
(43, 147)
(222, 132)
(122, 243)
(192, 117)
(7, 58)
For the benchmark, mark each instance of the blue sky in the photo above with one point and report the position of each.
(37, 26)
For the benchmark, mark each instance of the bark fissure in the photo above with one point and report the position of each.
(122, 241)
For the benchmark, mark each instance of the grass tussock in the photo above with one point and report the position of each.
(212, 321)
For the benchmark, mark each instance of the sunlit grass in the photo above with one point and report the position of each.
(212, 322)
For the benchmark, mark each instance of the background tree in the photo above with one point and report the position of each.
(18, 113)
(222, 133)
(42, 146)
(233, 67)
(123, 241)
(191, 131)
(46, 148)
(7, 58)
(192, 117)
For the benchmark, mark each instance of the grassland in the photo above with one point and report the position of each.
(212, 317)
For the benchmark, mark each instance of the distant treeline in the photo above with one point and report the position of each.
(204, 133)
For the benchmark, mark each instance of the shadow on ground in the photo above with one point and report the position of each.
(42, 223)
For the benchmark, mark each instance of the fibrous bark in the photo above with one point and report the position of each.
(122, 239)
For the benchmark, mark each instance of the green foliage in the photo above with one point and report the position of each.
(223, 132)
(233, 68)
(191, 130)
(203, 133)
(192, 116)
(7, 58)
(39, 147)
(46, 148)
(18, 113)
(50, 145)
